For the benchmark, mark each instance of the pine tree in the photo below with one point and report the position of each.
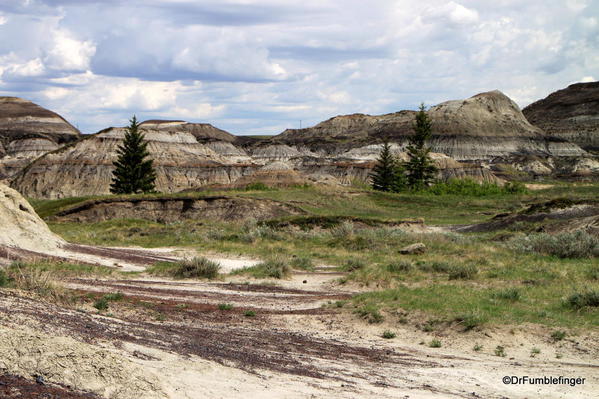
(133, 173)
(420, 168)
(388, 174)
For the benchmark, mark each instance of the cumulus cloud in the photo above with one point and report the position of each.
(69, 54)
(260, 66)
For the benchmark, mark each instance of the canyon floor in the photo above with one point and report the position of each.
(121, 329)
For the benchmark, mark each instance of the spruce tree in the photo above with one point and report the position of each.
(388, 173)
(133, 172)
(420, 168)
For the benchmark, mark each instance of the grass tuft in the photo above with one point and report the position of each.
(272, 268)
(508, 294)
(198, 267)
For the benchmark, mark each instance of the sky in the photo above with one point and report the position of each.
(262, 66)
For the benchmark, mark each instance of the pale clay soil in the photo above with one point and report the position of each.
(176, 343)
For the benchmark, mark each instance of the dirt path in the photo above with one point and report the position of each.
(180, 343)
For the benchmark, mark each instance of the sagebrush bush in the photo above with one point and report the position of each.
(578, 244)
(252, 232)
(343, 230)
(579, 300)
(275, 268)
(303, 263)
(198, 267)
(400, 266)
(354, 264)
(462, 272)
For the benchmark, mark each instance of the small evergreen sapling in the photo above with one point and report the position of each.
(420, 168)
(388, 174)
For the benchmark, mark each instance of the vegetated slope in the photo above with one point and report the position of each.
(571, 114)
(28, 131)
(167, 210)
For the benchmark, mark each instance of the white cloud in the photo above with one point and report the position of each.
(587, 79)
(11, 67)
(462, 15)
(255, 65)
(69, 54)
(196, 111)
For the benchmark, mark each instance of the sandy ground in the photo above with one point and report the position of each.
(170, 339)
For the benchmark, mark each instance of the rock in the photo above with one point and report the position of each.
(570, 114)
(21, 227)
(414, 249)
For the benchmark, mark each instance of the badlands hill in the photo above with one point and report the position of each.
(188, 156)
(481, 127)
(476, 137)
(571, 114)
(28, 131)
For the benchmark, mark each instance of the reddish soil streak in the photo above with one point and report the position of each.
(238, 342)
(13, 387)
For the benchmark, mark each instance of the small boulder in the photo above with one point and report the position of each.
(414, 249)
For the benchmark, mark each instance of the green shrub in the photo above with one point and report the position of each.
(472, 188)
(354, 264)
(101, 304)
(249, 313)
(274, 268)
(370, 313)
(3, 278)
(477, 348)
(388, 334)
(514, 187)
(470, 320)
(593, 273)
(303, 263)
(435, 343)
(500, 351)
(399, 266)
(258, 186)
(198, 267)
(558, 335)
(118, 296)
(462, 272)
(343, 230)
(578, 244)
(580, 300)
(508, 294)
(225, 306)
